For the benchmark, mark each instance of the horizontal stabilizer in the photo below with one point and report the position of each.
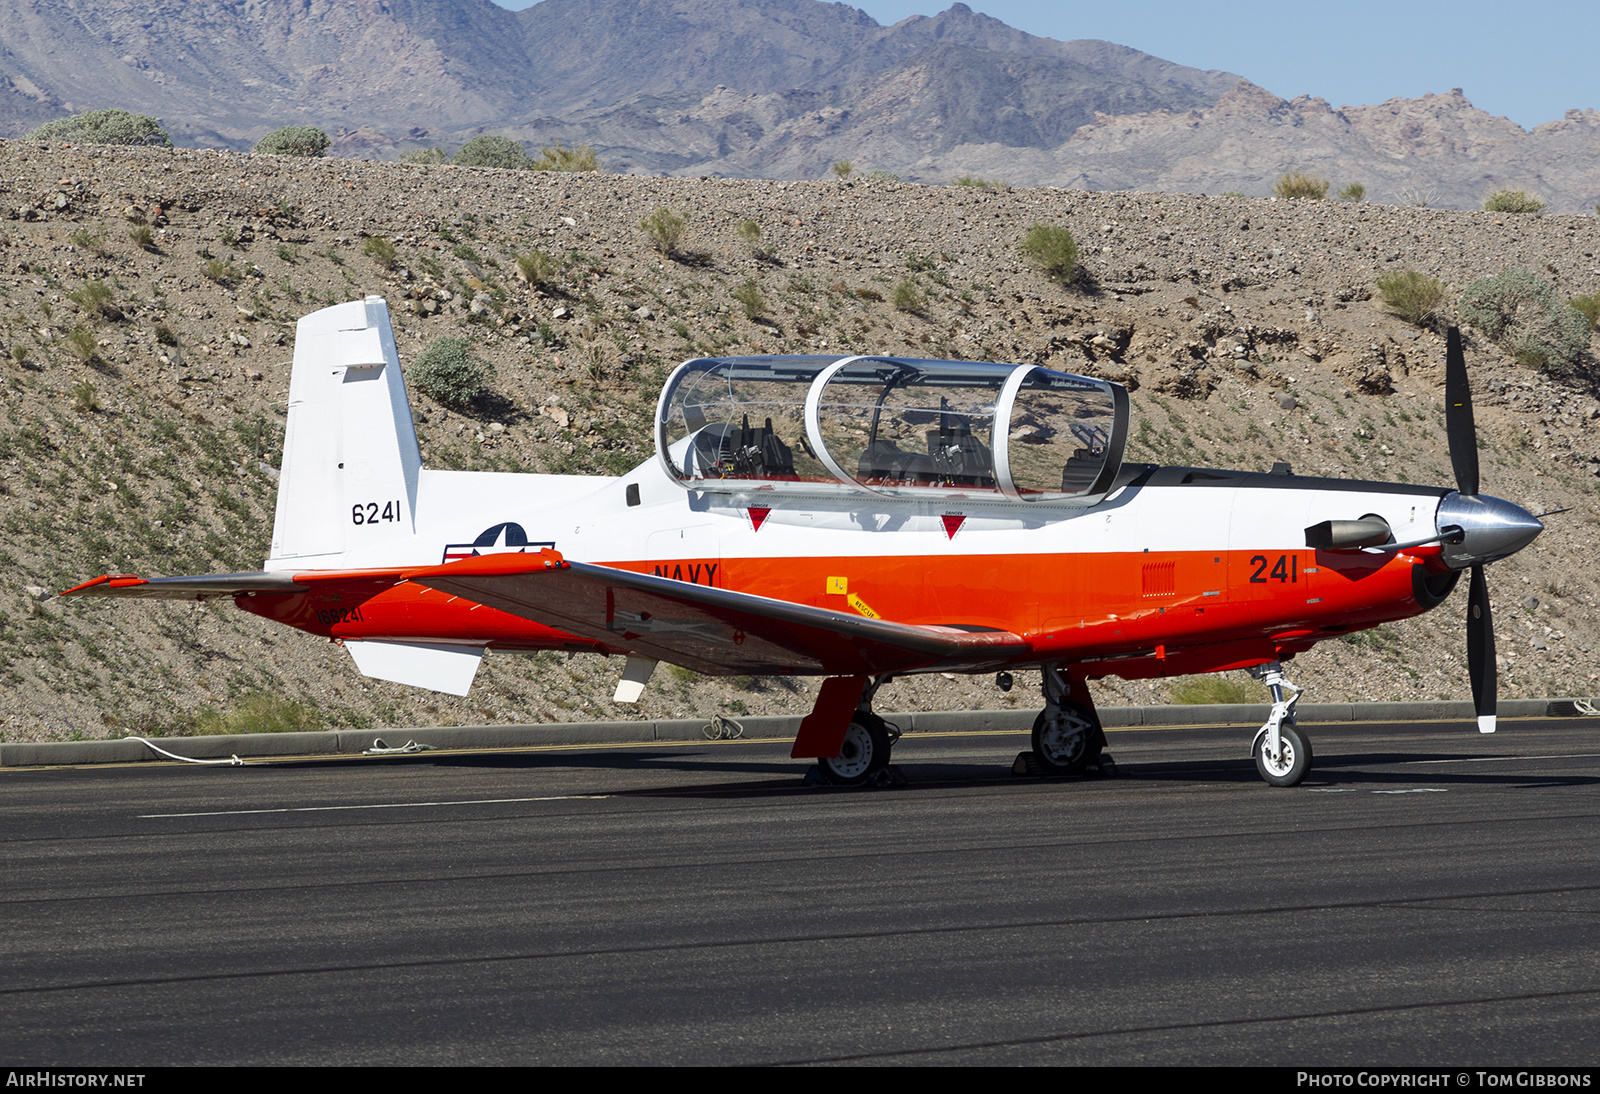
(714, 631)
(435, 666)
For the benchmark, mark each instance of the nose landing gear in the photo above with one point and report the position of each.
(1282, 753)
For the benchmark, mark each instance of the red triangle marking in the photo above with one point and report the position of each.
(952, 524)
(757, 516)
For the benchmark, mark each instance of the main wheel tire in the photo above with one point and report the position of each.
(1068, 743)
(865, 752)
(1293, 762)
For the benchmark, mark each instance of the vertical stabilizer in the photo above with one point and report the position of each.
(350, 456)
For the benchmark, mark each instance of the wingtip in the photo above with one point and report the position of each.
(105, 583)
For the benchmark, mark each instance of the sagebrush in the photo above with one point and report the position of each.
(1299, 184)
(536, 267)
(1520, 310)
(1513, 201)
(751, 299)
(665, 229)
(907, 297)
(1588, 307)
(381, 251)
(449, 373)
(559, 158)
(305, 141)
(1053, 250)
(105, 127)
(493, 151)
(1411, 295)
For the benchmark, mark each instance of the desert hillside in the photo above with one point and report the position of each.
(142, 418)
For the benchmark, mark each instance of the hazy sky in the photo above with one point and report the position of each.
(1530, 62)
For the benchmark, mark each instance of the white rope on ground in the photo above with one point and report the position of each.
(380, 749)
(722, 728)
(1586, 706)
(231, 761)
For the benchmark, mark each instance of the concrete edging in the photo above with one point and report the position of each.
(353, 742)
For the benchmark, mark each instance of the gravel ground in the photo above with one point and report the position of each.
(140, 436)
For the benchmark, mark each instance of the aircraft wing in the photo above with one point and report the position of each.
(187, 588)
(713, 631)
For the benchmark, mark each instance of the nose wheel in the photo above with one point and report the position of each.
(1290, 763)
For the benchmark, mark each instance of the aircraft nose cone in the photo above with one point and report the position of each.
(1490, 528)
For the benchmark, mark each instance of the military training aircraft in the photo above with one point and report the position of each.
(857, 518)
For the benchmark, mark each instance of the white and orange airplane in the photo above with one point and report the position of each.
(853, 517)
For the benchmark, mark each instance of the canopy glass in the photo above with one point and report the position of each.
(901, 427)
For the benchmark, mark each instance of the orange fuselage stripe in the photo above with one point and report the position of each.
(1071, 607)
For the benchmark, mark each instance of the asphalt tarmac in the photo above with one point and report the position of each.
(1428, 896)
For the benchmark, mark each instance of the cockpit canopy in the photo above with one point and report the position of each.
(894, 426)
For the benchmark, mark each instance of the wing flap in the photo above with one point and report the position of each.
(714, 631)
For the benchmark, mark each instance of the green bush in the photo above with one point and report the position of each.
(1513, 201)
(665, 229)
(143, 238)
(1411, 295)
(978, 183)
(1354, 192)
(105, 127)
(448, 372)
(842, 168)
(1521, 311)
(1588, 307)
(907, 297)
(750, 232)
(83, 345)
(97, 301)
(380, 250)
(305, 141)
(85, 398)
(425, 155)
(752, 299)
(492, 151)
(581, 158)
(1053, 250)
(1216, 689)
(1298, 184)
(536, 267)
(257, 713)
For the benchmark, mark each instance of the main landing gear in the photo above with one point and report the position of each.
(1067, 737)
(1283, 754)
(863, 757)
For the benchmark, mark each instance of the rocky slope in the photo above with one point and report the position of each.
(140, 436)
(1439, 150)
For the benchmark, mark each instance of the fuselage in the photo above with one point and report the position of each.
(1177, 570)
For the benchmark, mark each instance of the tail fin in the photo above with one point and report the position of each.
(350, 457)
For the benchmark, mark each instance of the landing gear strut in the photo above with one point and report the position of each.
(1067, 738)
(1283, 755)
(864, 756)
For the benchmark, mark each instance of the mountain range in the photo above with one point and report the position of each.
(756, 88)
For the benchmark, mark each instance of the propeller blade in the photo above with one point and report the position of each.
(1480, 650)
(1459, 427)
